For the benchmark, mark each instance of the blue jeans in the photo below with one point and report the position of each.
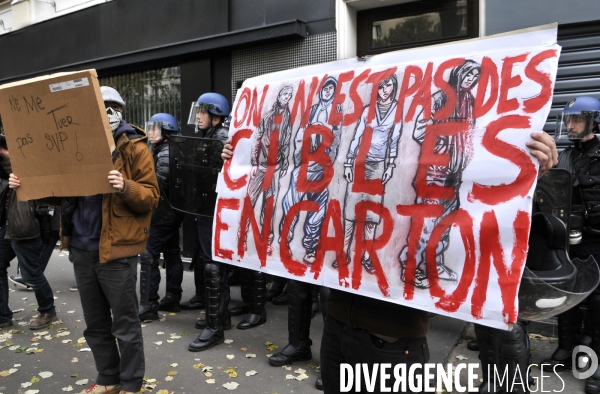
(33, 256)
(6, 255)
(105, 288)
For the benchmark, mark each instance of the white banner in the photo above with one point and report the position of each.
(403, 177)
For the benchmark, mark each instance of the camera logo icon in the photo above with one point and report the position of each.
(584, 356)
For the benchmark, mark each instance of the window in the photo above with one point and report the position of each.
(148, 92)
(414, 24)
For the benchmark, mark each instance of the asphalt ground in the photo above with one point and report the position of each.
(63, 362)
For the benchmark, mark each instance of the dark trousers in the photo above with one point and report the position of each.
(344, 344)
(6, 255)
(106, 287)
(165, 238)
(34, 255)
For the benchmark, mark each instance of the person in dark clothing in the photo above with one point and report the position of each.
(207, 115)
(580, 119)
(33, 232)
(6, 251)
(164, 230)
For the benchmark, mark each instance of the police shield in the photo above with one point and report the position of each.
(551, 282)
(194, 166)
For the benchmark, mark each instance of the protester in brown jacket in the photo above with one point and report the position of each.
(105, 234)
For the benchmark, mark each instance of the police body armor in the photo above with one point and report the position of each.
(551, 282)
(194, 166)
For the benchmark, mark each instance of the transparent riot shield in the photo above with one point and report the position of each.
(540, 299)
(551, 282)
(194, 166)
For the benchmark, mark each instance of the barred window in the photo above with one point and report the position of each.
(148, 92)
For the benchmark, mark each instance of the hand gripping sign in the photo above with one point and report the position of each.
(403, 177)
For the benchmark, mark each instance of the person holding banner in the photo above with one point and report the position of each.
(207, 116)
(164, 230)
(105, 234)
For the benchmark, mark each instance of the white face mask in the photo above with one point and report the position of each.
(114, 118)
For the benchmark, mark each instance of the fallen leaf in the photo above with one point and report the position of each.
(172, 373)
(35, 379)
(210, 381)
(313, 365)
(85, 349)
(68, 388)
(81, 340)
(163, 392)
(250, 355)
(231, 385)
(31, 392)
(243, 349)
(183, 334)
(70, 311)
(82, 382)
(287, 368)
(26, 384)
(230, 356)
(251, 373)
(160, 333)
(232, 372)
(536, 336)
(302, 376)
(461, 357)
(172, 314)
(45, 374)
(4, 373)
(174, 365)
(290, 377)
(170, 341)
(207, 368)
(229, 341)
(151, 380)
(157, 343)
(67, 340)
(169, 378)
(198, 366)
(75, 375)
(208, 374)
(31, 350)
(75, 360)
(300, 370)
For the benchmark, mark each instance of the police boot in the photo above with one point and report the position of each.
(198, 300)
(568, 324)
(257, 314)
(243, 308)
(514, 358)
(299, 311)
(147, 309)
(170, 303)
(592, 384)
(212, 334)
(488, 340)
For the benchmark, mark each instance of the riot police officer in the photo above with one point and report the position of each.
(579, 122)
(208, 115)
(164, 230)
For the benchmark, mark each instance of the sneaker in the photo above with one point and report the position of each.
(73, 288)
(5, 323)
(97, 389)
(43, 321)
(19, 282)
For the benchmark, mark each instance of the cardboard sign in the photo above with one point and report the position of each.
(403, 176)
(58, 135)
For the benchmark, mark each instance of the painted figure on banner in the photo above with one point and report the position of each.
(458, 146)
(270, 157)
(319, 115)
(369, 165)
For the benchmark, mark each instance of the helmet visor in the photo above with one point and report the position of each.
(574, 126)
(154, 131)
(199, 108)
